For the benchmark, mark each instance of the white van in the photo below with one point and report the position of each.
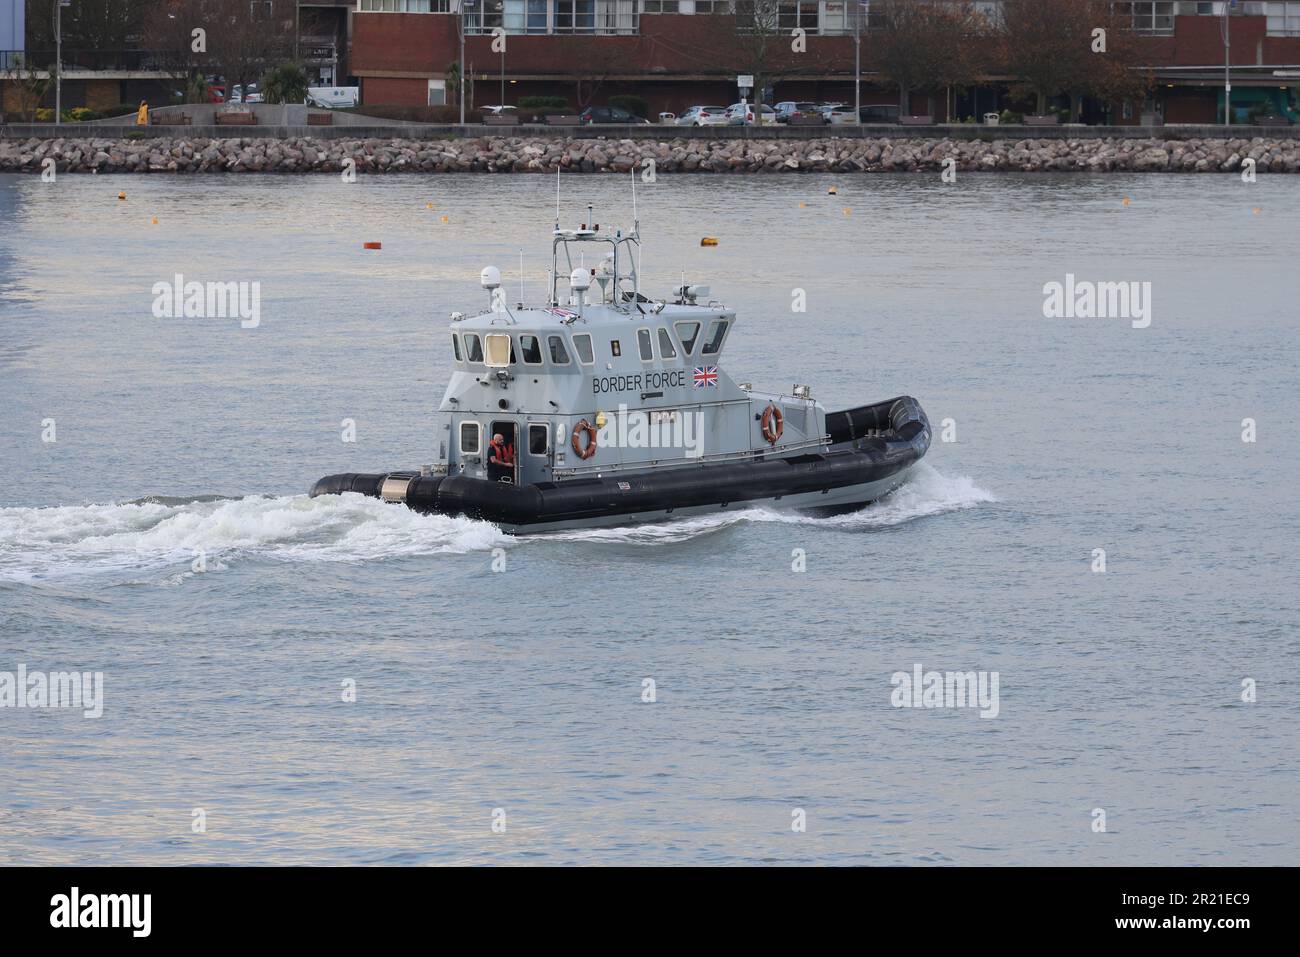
(333, 97)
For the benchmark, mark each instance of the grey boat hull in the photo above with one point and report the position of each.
(871, 451)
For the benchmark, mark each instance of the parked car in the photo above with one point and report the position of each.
(252, 95)
(789, 109)
(839, 115)
(608, 114)
(742, 114)
(704, 116)
(879, 113)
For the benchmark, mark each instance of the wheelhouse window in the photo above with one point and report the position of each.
(717, 332)
(470, 433)
(615, 347)
(688, 332)
(455, 346)
(666, 348)
(531, 347)
(500, 351)
(473, 348)
(645, 345)
(538, 436)
(559, 354)
(582, 344)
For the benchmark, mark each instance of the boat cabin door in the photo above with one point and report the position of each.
(501, 461)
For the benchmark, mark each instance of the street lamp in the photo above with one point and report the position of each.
(1227, 58)
(58, 59)
(461, 79)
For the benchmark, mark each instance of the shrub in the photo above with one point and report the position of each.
(286, 83)
(636, 105)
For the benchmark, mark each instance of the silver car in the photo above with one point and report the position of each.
(704, 116)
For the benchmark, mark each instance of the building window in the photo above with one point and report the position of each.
(1283, 18)
(659, 6)
(552, 16)
(712, 6)
(404, 6)
(1149, 16)
(794, 14)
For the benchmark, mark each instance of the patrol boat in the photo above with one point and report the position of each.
(611, 408)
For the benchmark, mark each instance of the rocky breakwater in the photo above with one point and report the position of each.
(527, 154)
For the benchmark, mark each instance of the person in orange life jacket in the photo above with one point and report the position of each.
(501, 455)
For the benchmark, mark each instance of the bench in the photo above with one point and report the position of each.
(320, 119)
(1272, 121)
(563, 119)
(806, 121)
(916, 120)
(241, 118)
(171, 119)
(494, 119)
(1050, 119)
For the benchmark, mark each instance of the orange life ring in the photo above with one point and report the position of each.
(773, 424)
(581, 451)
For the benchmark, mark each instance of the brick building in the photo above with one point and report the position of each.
(679, 52)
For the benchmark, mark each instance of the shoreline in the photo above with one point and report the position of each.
(184, 152)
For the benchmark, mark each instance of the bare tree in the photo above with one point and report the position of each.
(761, 49)
(241, 39)
(1073, 47)
(925, 45)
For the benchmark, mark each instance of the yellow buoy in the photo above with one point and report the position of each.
(847, 210)
(446, 219)
(428, 205)
(121, 195)
(709, 241)
(833, 191)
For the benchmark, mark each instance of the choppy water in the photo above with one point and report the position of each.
(521, 689)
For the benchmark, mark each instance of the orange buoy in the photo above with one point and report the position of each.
(1255, 210)
(446, 219)
(155, 221)
(709, 241)
(372, 245)
(121, 195)
(847, 210)
(833, 191)
(1126, 200)
(803, 205)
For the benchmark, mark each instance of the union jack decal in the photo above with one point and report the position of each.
(706, 377)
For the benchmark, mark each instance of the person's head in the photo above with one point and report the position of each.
(497, 440)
